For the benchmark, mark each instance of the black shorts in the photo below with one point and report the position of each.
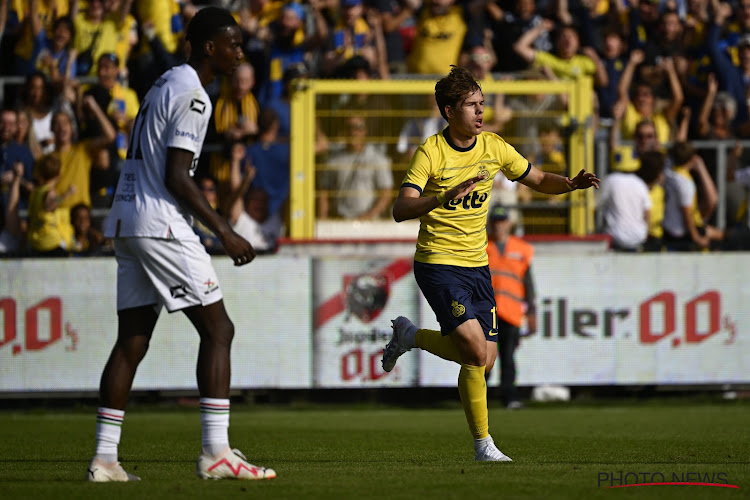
(457, 294)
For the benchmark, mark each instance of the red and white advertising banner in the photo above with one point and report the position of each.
(633, 319)
(302, 322)
(58, 323)
(355, 301)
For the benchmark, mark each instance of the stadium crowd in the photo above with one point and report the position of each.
(666, 72)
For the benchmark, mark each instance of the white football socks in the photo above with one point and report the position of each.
(214, 425)
(108, 431)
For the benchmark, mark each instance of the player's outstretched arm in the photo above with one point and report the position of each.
(181, 185)
(549, 183)
(410, 205)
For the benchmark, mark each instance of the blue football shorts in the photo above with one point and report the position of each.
(457, 294)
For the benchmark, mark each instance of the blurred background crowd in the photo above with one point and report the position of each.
(668, 75)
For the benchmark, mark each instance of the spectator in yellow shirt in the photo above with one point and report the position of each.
(76, 157)
(50, 232)
(95, 34)
(441, 28)
(566, 63)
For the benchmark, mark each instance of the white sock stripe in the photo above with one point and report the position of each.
(110, 416)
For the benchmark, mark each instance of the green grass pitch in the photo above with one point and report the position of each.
(392, 453)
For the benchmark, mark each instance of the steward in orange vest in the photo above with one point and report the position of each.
(509, 263)
(510, 275)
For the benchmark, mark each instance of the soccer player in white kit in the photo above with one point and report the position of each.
(160, 260)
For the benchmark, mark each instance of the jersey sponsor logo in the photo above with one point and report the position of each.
(470, 201)
(457, 309)
(198, 106)
(185, 133)
(178, 291)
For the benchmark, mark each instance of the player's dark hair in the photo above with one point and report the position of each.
(454, 88)
(652, 165)
(205, 25)
(681, 153)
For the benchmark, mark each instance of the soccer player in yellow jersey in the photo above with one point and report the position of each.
(448, 188)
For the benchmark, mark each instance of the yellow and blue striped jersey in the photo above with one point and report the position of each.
(455, 233)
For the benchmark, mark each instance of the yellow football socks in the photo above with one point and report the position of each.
(436, 343)
(473, 390)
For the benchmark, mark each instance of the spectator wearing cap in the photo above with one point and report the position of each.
(510, 266)
(352, 36)
(290, 44)
(120, 103)
(441, 28)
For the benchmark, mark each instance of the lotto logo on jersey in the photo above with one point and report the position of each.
(470, 201)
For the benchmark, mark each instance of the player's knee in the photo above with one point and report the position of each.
(135, 348)
(488, 366)
(223, 333)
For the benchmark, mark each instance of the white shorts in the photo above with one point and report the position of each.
(171, 273)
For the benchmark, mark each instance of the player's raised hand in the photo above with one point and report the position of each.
(584, 180)
(464, 188)
(238, 248)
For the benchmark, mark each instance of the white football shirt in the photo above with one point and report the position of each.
(174, 114)
(624, 199)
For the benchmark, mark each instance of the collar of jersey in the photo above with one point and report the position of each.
(447, 138)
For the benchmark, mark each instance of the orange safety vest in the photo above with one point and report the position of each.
(508, 270)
